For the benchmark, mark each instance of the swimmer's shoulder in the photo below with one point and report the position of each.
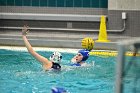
(47, 66)
(53, 65)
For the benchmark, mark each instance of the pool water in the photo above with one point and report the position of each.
(22, 73)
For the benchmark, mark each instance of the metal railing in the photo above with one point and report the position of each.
(51, 17)
(57, 17)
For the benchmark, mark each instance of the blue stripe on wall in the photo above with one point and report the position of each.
(19, 3)
(52, 3)
(95, 3)
(69, 3)
(10, 3)
(103, 3)
(26, 2)
(77, 3)
(35, 3)
(87, 3)
(2, 2)
(43, 3)
(60, 3)
(57, 3)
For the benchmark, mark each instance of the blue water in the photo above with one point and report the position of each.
(22, 73)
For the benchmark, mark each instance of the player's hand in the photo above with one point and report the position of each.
(25, 30)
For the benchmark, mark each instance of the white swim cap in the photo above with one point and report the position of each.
(56, 57)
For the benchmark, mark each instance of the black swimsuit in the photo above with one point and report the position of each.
(56, 66)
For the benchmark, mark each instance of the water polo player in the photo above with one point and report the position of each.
(80, 58)
(47, 64)
(55, 58)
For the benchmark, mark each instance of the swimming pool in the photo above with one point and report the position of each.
(21, 73)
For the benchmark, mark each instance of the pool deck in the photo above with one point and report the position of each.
(52, 40)
(20, 48)
(57, 40)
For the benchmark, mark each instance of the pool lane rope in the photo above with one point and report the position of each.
(110, 53)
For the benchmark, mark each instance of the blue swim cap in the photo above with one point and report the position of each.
(58, 90)
(85, 54)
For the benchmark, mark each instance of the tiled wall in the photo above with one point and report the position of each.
(124, 4)
(132, 22)
(57, 3)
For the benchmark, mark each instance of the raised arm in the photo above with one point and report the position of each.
(46, 63)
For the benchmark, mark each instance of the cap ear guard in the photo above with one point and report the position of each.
(56, 57)
(85, 54)
(61, 57)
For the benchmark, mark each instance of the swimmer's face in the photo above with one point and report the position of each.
(78, 57)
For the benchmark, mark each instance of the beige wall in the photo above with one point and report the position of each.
(124, 4)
